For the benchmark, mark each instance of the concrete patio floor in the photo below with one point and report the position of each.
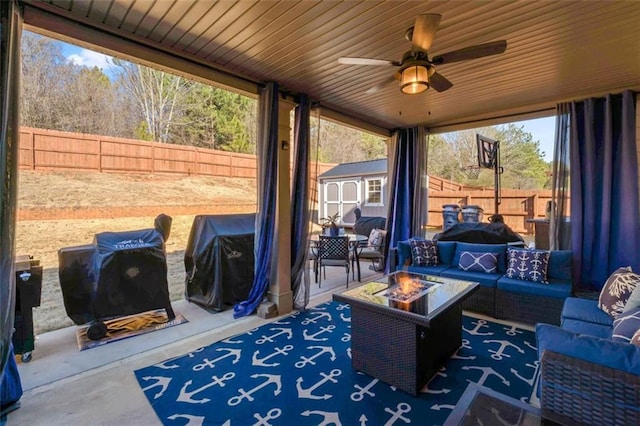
(63, 386)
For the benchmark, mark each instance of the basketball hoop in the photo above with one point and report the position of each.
(472, 172)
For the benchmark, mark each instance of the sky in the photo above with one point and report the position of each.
(542, 129)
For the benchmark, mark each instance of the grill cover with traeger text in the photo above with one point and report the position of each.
(121, 273)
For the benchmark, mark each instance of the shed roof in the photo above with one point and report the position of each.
(360, 168)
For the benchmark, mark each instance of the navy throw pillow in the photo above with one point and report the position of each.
(478, 262)
(528, 265)
(617, 290)
(626, 326)
(424, 252)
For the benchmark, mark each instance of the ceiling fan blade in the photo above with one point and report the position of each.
(439, 83)
(381, 85)
(365, 61)
(471, 52)
(424, 30)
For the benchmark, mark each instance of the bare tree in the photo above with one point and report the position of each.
(159, 97)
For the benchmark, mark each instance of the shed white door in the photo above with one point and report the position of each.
(341, 197)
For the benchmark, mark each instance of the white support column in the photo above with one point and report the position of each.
(280, 288)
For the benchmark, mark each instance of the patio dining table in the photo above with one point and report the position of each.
(354, 241)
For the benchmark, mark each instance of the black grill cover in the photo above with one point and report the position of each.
(485, 233)
(121, 273)
(219, 259)
(366, 224)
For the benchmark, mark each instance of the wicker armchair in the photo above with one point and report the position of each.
(574, 391)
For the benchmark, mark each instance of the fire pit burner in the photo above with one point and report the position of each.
(408, 292)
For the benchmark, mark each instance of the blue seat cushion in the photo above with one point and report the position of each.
(499, 249)
(485, 279)
(585, 310)
(429, 270)
(588, 328)
(556, 290)
(612, 354)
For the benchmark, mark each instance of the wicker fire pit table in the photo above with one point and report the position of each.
(405, 326)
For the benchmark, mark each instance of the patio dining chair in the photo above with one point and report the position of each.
(373, 249)
(333, 251)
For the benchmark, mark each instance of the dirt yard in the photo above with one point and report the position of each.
(67, 209)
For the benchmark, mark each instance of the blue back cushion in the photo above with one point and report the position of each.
(499, 249)
(446, 251)
(404, 254)
(559, 265)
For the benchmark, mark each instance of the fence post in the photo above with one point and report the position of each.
(33, 150)
(100, 155)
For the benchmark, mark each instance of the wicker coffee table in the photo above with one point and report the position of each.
(403, 337)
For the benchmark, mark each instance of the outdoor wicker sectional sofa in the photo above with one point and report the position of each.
(500, 296)
(587, 375)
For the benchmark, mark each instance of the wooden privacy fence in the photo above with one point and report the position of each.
(48, 150)
(518, 206)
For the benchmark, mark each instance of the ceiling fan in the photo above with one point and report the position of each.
(417, 72)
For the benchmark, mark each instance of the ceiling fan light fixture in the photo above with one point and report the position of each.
(414, 79)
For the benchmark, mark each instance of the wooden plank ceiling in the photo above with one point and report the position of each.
(557, 50)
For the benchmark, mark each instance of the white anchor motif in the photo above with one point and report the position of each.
(277, 351)
(272, 414)
(312, 337)
(308, 393)
(323, 349)
(362, 391)
(231, 341)
(346, 337)
(342, 307)
(211, 363)
(500, 353)
(163, 382)
(185, 396)
(329, 417)
(271, 378)
(435, 391)
(193, 353)
(313, 320)
(345, 318)
(193, 420)
(486, 372)
(478, 325)
(439, 407)
(465, 345)
(163, 365)
(349, 352)
(533, 377)
(285, 331)
(512, 331)
(402, 408)
(530, 345)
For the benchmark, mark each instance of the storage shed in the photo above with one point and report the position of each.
(349, 185)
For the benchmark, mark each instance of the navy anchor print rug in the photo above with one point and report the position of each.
(297, 371)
